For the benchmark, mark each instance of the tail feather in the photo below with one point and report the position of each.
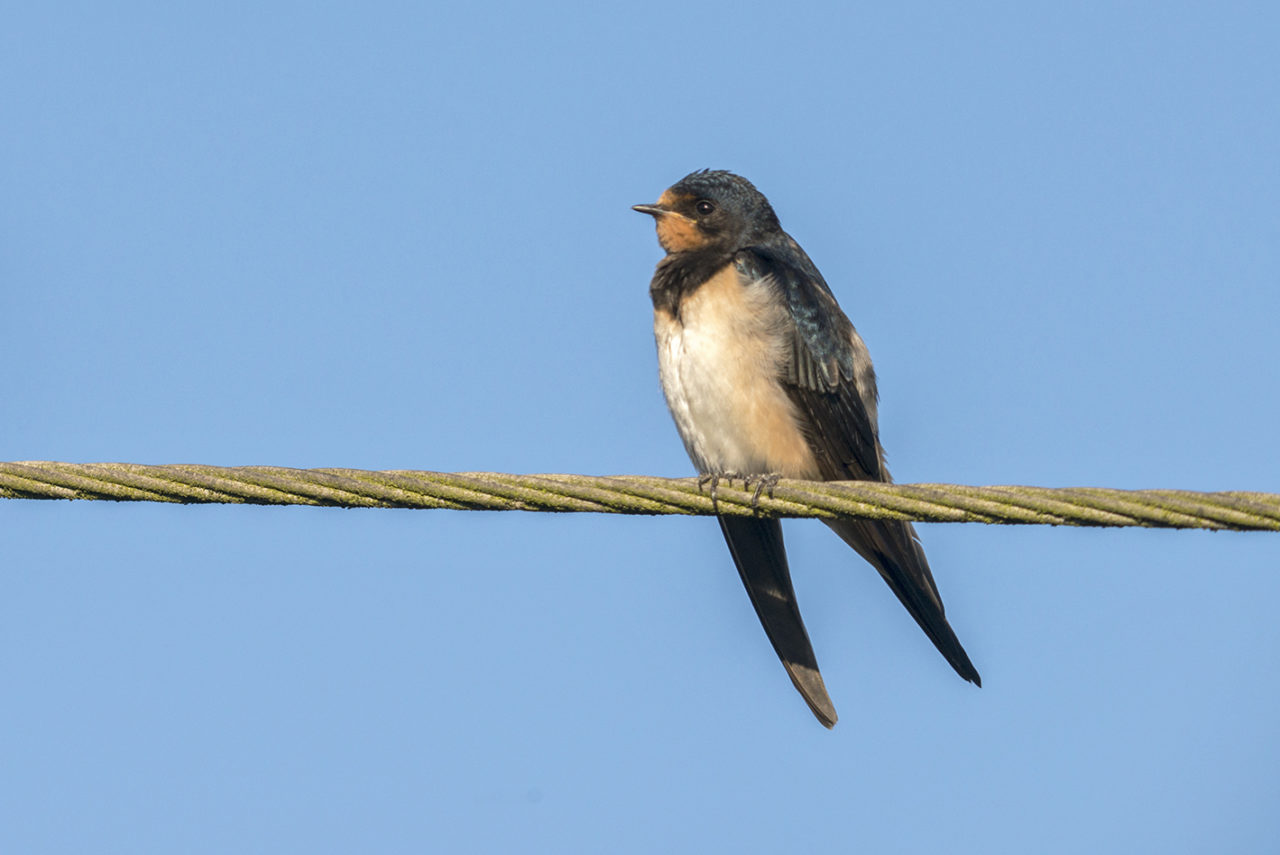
(757, 548)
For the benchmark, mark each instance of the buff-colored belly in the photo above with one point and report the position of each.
(719, 365)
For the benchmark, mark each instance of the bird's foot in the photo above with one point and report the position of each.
(714, 479)
(764, 484)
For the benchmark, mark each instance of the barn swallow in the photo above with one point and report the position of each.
(766, 377)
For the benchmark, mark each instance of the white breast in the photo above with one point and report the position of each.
(719, 364)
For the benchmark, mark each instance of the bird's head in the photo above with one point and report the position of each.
(711, 209)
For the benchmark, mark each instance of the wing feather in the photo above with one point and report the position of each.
(831, 382)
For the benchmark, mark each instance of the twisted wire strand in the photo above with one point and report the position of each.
(638, 494)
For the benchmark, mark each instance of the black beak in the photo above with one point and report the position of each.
(651, 210)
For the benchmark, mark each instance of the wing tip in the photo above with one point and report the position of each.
(949, 646)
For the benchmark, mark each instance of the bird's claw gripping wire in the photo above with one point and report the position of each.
(764, 484)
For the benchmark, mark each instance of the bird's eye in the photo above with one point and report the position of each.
(704, 207)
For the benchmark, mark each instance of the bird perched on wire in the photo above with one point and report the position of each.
(765, 378)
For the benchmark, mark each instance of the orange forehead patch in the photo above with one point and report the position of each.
(676, 232)
(669, 199)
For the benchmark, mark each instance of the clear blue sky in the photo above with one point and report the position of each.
(399, 236)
